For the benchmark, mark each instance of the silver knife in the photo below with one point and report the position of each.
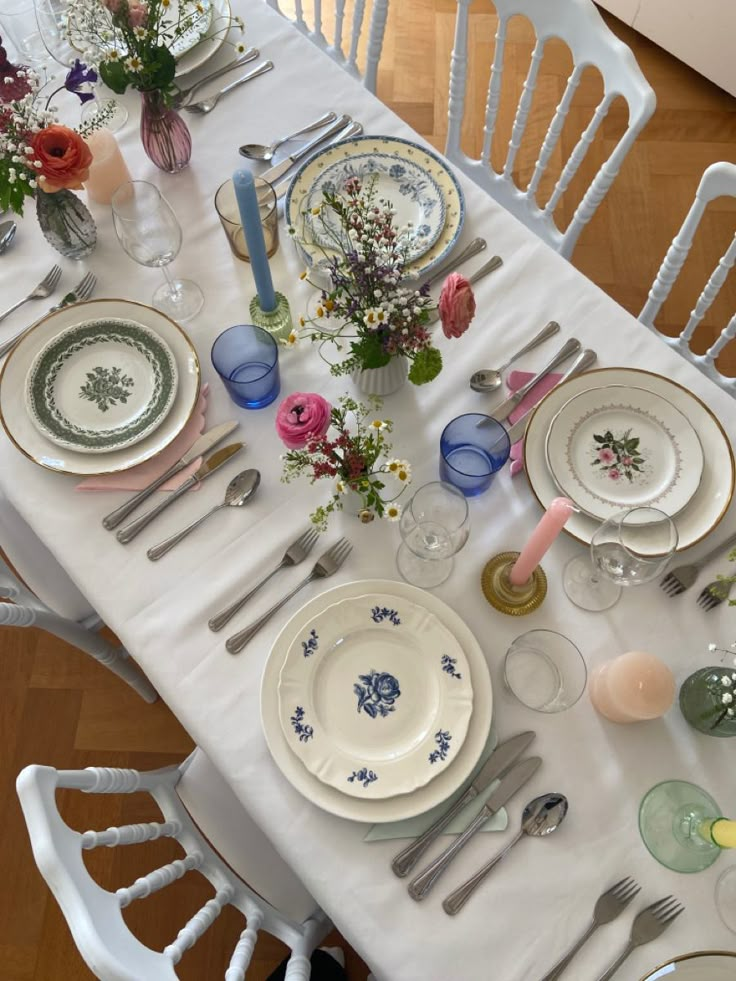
(273, 173)
(453, 261)
(353, 129)
(586, 359)
(201, 445)
(510, 784)
(504, 410)
(495, 766)
(211, 465)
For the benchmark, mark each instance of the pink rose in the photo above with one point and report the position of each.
(137, 13)
(614, 474)
(626, 460)
(606, 456)
(457, 305)
(301, 417)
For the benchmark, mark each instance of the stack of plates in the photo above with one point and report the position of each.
(99, 387)
(619, 438)
(425, 194)
(376, 701)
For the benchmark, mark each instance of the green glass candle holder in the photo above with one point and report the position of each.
(702, 701)
(675, 818)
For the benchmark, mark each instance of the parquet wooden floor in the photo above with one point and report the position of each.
(58, 707)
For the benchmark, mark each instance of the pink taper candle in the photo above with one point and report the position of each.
(541, 538)
(108, 170)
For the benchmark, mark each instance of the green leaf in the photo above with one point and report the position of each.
(598, 439)
(114, 76)
(638, 459)
(369, 352)
(426, 366)
(163, 68)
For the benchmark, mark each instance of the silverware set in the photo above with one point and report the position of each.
(183, 95)
(205, 106)
(648, 924)
(82, 291)
(683, 577)
(352, 129)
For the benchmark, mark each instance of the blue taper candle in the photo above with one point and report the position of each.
(250, 216)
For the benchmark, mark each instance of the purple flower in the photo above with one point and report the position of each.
(80, 75)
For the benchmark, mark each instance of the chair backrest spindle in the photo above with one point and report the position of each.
(243, 952)
(196, 926)
(130, 834)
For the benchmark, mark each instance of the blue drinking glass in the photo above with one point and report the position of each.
(247, 359)
(471, 455)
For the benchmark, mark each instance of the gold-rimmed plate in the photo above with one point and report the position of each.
(14, 415)
(715, 492)
(701, 965)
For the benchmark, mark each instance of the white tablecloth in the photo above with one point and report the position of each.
(543, 894)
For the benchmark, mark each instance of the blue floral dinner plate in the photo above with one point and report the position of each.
(375, 696)
(402, 152)
(407, 185)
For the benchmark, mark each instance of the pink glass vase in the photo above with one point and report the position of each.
(164, 134)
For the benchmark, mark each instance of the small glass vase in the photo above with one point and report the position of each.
(386, 380)
(164, 134)
(701, 701)
(66, 223)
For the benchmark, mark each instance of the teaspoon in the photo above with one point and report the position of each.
(239, 491)
(7, 234)
(259, 151)
(541, 817)
(489, 379)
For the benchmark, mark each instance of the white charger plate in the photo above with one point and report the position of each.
(22, 432)
(712, 498)
(101, 385)
(621, 447)
(416, 198)
(375, 696)
(402, 150)
(390, 808)
(211, 42)
(706, 965)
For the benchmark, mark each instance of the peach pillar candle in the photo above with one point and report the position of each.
(108, 169)
(632, 688)
(541, 538)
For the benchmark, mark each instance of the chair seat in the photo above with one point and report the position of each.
(223, 820)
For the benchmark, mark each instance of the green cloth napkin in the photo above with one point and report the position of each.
(413, 827)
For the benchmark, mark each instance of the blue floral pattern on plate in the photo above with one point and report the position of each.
(310, 645)
(448, 665)
(381, 613)
(442, 738)
(377, 694)
(303, 731)
(363, 776)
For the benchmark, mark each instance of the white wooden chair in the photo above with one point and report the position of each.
(276, 901)
(719, 180)
(581, 27)
(53, 603)
(335, 51)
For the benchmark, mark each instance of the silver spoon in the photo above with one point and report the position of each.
(7, 234)
(239, 491)
(489, 379)
(259, 151)
(541, 817)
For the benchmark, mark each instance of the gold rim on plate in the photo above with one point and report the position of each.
(687, 957)
(84, 303)
(650, 374)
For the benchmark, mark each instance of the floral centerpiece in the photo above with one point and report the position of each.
(134, 42)
(345, 445)
(708, 696)
(41, 159)
(367, 309)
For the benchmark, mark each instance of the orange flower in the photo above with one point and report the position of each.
(64, 158)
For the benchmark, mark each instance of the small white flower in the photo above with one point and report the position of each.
(340, 487)
(729, 712)
(133, 64)
(33, 184)
(712, 647)
(240, 48)
(727, 698)
(392, 512)
(726, 681)
(378, 425)
(140, 32)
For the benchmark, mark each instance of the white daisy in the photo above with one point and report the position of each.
(392, 512)
(133, 64)
(378, 425)
(340, 487)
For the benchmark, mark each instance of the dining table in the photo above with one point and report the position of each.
(541, 897)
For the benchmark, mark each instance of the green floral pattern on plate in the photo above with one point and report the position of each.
(44, 373)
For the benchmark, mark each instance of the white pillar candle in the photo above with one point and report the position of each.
(108, 169)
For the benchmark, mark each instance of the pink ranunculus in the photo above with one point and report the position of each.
(301, 417)
(614, 474)
(112, 5)
(457, 305)
(137, 13)
(606, 456)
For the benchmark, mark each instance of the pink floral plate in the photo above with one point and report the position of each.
(619, 447)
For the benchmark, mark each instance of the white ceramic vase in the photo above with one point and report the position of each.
(381, 381)
(353, 504)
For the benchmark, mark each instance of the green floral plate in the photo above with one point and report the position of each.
(101, 385)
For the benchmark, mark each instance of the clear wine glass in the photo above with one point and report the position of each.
(629, 549)
(434, 526)
(148, 230)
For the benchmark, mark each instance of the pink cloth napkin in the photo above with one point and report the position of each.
(141, 476)
(515, 381)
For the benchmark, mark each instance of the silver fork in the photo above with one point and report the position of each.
(45, 288)
(294, 554)
(81, 292)
(325, 566)
(183, 94)
(207, 105)
(648, 925)
(678, 580)
(714, 594)
(608, 906)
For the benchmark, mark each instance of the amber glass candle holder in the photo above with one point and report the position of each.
(226, 205)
